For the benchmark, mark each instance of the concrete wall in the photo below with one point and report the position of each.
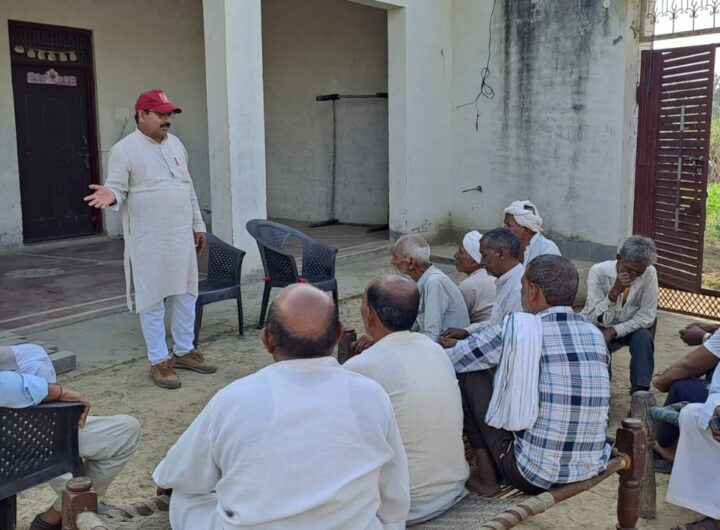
(313, 47)
(560, 129)
(138, 45)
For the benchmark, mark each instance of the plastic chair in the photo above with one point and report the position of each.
(36, 444)
(223, 280)
(318, 260)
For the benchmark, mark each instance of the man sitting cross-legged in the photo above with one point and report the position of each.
(695, 479)
(301, 443)
(423, 389)
(622, 300)
(500, 252)
(441, 304)
(27, 377)
(544, 425)
(523, 218)
(686, 380)
(478, 289)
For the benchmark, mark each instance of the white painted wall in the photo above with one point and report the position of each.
(560, 130)
(138, 45)
(420, 88)
(313, 47)
(236, 123)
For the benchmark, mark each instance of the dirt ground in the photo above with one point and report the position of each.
(126, 388)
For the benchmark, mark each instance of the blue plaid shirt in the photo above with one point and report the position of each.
(567, 442)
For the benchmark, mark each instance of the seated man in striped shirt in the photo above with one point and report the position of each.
(566, 443)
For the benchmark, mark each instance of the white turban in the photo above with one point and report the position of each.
(525, 214)
(471, 244)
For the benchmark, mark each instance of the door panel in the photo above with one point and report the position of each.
(52, 122)
(675, 98)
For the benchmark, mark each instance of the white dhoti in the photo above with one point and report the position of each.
(105, 445)
(695, 479)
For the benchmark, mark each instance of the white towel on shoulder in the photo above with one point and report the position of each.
(516, 397)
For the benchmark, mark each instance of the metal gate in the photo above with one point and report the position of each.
(675, 112)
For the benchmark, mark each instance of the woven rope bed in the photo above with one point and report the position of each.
(507, 508)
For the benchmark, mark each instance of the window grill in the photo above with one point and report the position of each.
(28, 41)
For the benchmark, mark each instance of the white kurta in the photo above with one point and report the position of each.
(695, 479)
(420, 380)
(442, 305)
(152, 185)
(478, 290)
(539, 245)
(299, 444)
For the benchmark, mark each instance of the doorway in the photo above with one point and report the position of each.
(53, 89)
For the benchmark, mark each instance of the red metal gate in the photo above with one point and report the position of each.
(675, 112)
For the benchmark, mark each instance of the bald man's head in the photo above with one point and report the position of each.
(302, 322)
(395, 300)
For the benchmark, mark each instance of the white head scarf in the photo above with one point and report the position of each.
(525, 214)
(471, 244)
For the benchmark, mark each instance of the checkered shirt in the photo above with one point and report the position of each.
(567, 442)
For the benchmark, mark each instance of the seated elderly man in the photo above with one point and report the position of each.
(441, 304)
(301, 443)
(695, 479)
(523, 218)
(686, 380)
(27, 377)
(478, 289)
(541, 422)
(622, 300)
(423, 389)
(499, 251)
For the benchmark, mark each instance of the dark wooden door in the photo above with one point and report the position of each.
(675, 112)
(54, 151)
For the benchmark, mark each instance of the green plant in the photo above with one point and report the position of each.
(712, 213)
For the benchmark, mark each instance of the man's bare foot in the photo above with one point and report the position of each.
(477, 483)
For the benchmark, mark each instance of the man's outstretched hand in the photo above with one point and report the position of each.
(101, 198)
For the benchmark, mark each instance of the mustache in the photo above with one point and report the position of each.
(165, 125)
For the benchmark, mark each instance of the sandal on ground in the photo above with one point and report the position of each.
(39, 524)
(703, 524)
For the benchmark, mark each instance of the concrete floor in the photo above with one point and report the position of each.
(50, 283)
(71, 295)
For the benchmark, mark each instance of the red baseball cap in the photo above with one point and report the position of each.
(156, 100)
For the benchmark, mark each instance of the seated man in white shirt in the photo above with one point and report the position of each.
(478, 289)
(523, 218)
(420, 380)
(105, 443)
(695, 479)
(300, 444)
(499, 251)
(622, 299)
(441, 304)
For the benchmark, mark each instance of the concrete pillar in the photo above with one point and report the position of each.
(419, 109)
(236, 120)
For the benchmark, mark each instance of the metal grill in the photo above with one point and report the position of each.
(30, 41)
(695, 304)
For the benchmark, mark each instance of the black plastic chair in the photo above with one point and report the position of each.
(36, 444)
(223, 280)
(318, 260)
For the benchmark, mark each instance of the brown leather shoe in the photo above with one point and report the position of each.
(193, 360)
(164, 375)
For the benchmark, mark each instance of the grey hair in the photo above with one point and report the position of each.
(638, 249)
(556, 276)
(414, 246)
(503, 238)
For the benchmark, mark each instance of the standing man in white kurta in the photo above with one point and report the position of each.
(301, 444)
(148, 179)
